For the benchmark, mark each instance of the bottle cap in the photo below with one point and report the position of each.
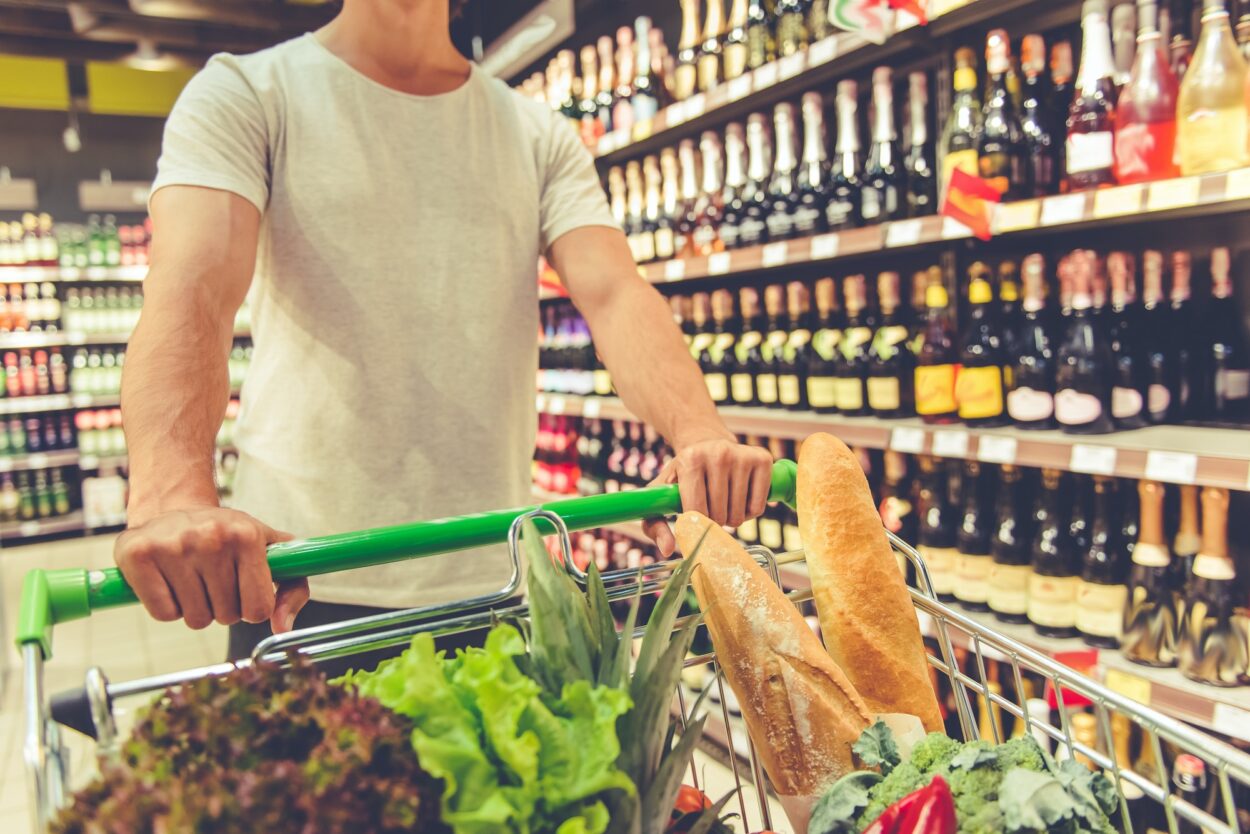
(887, 290)
(813, 103)
(997, 52)
(1032, 55)
(847, 89)
(917, 84)
(1094, 7)
(1061, 62)
(935, 297)
(882, 76)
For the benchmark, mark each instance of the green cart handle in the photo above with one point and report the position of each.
(50, 597)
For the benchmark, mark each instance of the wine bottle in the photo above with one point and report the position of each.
(891, 365)
(567, 103)
(718, 358)
(662, 68)
(686, 75)
(852, 368)
(1185, 546)
(783, 187)
(1123, 43)
(979, 383)
(918, 163)
(963, 126)
(605, 97)
(748, 351)
(1010, 546)
(813, 173)
(641, 242)
(1228, 381)
(898, 511)
(1103, 590)
(1156, 345)
(1145, 130)
(842, 211)
(936, 539)
(973, 564)
(1185, 351)
(735, 51)
(1210, 649)
(1031, 398)
(688, 156)
(791, 18)
(618, 202)
(1150, 621)
(1042, 147)
(881, 196)
(753, 219)
(818, 24)
(937, 360)
(1008, 315)
(822, 373)
(1001, 152)
(1090, 157)
(1084, 363)
(708, 207)
(1211, 109)
(652, 206)
(622, 105)
(732, 204)
(701, 336)
(1242, 33)
(761, 47)
(1190, 783)
(796, 355)
(710, 51)
(591, 128)
(666, 229)
(1129, 387)
(1052, 585)
(647, 86)
(1134, 798)
(770, 351)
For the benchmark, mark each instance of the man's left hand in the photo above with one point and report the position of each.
(723, 479)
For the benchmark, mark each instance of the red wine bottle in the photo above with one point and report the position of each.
(1083, 378)
(1228, 386)
(1090, 154)
(1031, 398)
(1156, 346)
(1129, 390)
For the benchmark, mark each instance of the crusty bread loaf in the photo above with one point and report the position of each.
(866, 613)
(801, 711)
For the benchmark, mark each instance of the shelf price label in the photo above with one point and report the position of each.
(907, 439)
(994, 448)
(37, 461)
(694, 106)
(766, 76)
(591, 407)
(952, 229)
(1231, 721)
(1173, 467)
(28, 528)
(825, 246)
(540, 403)
(902, 233)
(556, 406)
(774, 254)
(740, 87)
(1237, 184)
(1011, 217)
(1065, 208)
(790, 66)
(1130, 686)
(93, 462)
(718, 263)
(1116, 202)
(674, 270)
(1181, 192)
(1092, 460)
(823, 51)
(641, 131)
(6, 465)
(950, 444)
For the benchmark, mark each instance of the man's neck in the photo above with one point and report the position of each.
(402, 44)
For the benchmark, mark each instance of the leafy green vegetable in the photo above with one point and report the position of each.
(974, 756)
(876, 747)
(1093, 793)
(1033, 802)
(836, 811)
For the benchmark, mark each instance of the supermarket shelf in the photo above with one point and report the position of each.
(1201, 195)
(11, 274)
(39, 460)
(1174, 454)
(91, 463)
(57, 402)
(74, 339)
(72, 523)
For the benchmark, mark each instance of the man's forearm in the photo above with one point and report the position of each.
(174, 394)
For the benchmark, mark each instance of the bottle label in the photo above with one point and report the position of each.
(603, 382)
(839, 212)
(759, 45)
(797, 341)
(1074, 408)
(886, 343)
(664, 243)
(965, 161)
(825, 342)
(704, 238)
(849, 393)
(734, 57)
(729, 234)
(717, 387)
(749, 532)
(979, 392)
(740, 387)
(935, 389)
(822, 392)
(1151, 555)
(709, 71)
(941, 564)
(720, 346)
(1140, 153)
(770, 533)
(751, 231)
(788, 391)
(780, 225)
(973, 577)
(746, 343)
(1052, 600)
(1009, 588)
(883, 394)
(1028, 405)
(1125, 402)
(806, 219)
(775, 346)
(700, 343)
(685, 78)
(1158, 399)
(1100, 609)
(852, 339)
(1212, 138)
(878, 203)
(1232, 384)
(766, 388)
(1090, 151)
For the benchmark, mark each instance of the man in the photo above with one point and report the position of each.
(391, 201)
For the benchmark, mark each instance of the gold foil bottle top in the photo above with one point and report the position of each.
(1032, 55)
(774, 300)
(796, 298)
(749, 302)
(854, 293)
(1150, 530)
(1061, 62)
(826, 295)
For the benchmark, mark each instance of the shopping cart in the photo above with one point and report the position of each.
(51, 597)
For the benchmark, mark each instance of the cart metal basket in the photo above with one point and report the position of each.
(50, 597)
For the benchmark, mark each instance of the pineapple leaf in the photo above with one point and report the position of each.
(711, 816)
(615, 665)
(661, 794)
(562, 640)
(660, 625)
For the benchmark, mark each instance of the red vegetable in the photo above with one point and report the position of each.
(691, 800)
(929, 810)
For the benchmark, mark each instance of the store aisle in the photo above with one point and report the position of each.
(125, 643)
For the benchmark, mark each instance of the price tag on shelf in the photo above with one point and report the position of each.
(765, 76)
(950, 444)
(1237, 184)
(97, 273)
(1092, 460)
(902, 233)
(1231, 721)
(6, 465)
(28, 528)
(718, 263)
(591, 407)
(774, 254)
(674, 270)
(37, 461)
(740, 87)
(1173, 467)
(1011, 217)
(674, 114)
(825, 246)
(994, 448)
(641, 131)
(556, 406)
(540, 403)
(1117, 202)
(1130, 686)
(823, 51)
(75, 338)
(1181, 192)
(89, 462)
(694, 106)
(81, 400)
(952, 229)
(1065, 208)
(790, 66)
(907, 439)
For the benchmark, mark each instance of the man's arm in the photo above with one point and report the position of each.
(183, 554)
(635, 334)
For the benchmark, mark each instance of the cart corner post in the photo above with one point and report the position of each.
(50, 597)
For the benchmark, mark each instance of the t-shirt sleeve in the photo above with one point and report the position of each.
(572, 196)
(217, 136)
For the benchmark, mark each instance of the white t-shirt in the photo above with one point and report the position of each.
(394, 307)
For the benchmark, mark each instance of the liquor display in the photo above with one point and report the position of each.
(974, 562)
(1001, 150)
(42, 494)
(1145, 134)
(979, 381)
(1056, 565)
(1211, 111)
(1089, 158)
(1150, 621)
(23, 435)
(1008, 592)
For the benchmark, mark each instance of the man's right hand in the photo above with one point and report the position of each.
(205, 564)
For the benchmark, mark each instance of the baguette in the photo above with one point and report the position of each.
(866, 613)
(800, 709)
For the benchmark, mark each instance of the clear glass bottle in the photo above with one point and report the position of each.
(1090, 156)
(1145, 129)
(1211, 111)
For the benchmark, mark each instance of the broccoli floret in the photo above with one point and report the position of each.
(933, 751)
(1021, 752)
(902, 780)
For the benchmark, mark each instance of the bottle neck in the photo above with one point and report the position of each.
(848, 129)
(735, 165)
(785, 161)
(1096, 61)
(758, 162)
(715, 20)
(883, 114)
(813, 137)
(711, 169)
(689, 177)
(689, 24)
(918, 104)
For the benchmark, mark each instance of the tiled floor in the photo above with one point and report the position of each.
(126, 644)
